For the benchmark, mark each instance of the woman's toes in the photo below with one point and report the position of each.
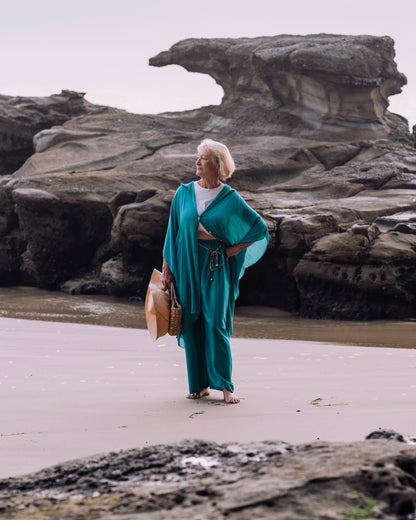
(195, 395)
(230, 398)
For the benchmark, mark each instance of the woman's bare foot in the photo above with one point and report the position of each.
(229, 397)
(198, 395)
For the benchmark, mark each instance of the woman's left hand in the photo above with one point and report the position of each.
(233, 250)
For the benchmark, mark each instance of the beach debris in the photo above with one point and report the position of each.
(195, 413)
(205, 462)
(317, 401)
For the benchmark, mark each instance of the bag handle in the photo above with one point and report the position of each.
(174, 300)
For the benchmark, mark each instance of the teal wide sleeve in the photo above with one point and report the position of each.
(258, 237)
(169, 249)
(245, 226)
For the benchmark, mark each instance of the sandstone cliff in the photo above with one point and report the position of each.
(317, 153)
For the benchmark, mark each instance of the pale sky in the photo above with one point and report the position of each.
(102, 47)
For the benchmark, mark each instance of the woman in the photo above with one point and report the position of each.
(212, 236)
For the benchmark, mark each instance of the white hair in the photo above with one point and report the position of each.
(220, 156)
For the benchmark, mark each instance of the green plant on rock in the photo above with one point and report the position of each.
(363, 511)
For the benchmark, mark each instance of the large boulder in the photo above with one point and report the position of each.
(62, 234)
(360, 272)
(317, 153)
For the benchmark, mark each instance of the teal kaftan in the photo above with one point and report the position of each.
(231, 221)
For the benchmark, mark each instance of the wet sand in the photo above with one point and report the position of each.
(70, 390)
(250, 322)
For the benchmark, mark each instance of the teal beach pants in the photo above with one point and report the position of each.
(206, 340)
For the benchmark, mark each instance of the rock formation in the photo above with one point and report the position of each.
(317, 154)
(21, 118)
(196, 479)
(302, 85)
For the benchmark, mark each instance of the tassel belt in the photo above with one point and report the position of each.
(216, 257)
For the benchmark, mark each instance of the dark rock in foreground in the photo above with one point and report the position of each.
(196, 479)
(317, 153)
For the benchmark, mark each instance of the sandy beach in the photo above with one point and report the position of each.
(72, 390)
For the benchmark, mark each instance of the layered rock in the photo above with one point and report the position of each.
(21, 118)
(317, 154)
(330, 84)
(373, 273)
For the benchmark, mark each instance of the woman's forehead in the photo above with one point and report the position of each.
(204, 151)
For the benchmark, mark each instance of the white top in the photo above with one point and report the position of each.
(204, 196)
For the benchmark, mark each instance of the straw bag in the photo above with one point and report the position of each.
(175, 314)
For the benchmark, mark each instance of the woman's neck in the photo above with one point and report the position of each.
(209, 183)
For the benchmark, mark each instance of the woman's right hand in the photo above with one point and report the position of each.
(167, 278)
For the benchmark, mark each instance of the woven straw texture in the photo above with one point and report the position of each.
(175, 315)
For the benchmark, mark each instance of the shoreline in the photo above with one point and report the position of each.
(249, 322)
(74, 390)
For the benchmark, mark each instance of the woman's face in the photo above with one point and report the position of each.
(205, 167)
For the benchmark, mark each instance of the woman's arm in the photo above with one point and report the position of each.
(234, 250)
(167, 276)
